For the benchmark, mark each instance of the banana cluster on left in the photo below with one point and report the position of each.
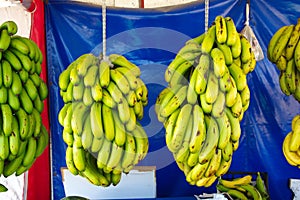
(23, 137)
(103, 101)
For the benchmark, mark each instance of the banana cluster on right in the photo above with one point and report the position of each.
(244, 187)
(103, 101)
(205, 101)
(291, 143)
(284, 52)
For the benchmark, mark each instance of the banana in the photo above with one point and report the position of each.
(74, 77)
(159, 99)
(25, 60)
(281, 43)
(116, 178)
(22, 147)
(198, 131)
(4, 144)
(183, 152)
(96, 92)
(120, 132)
(203, 69)
(292, 42)
(79, 159)
(104, 154)
(31, 89)
(142, 143)
(3, 188)
(87, 135)
(219, 62)
(211, 141)
(232, 33)
(7, 118)
(214, 163)
(197, 40)
(231, 95)
(283, 83)
(175, 102)
(16, 85)
(206, 107)
(212, 88)
(14, 138)
(225, 131)
(291, 156)
(121, 61)
(297, 55)
(235, 125)
(66, 121)
(124, 111)
(139, 110)
(290, 76)
(13, 165)
(218, 106)
(207, 183)
(237, 194)
(144, 97)
(43, 90)
(5, 40)
(70, 160)
(261, 187)
(169, 125)
(90, 77)
(64, 76)
(197, 172)
(190, 47)
(23, 120)
(236, 48)
(129, 151)
(96, 120)
(225, 81)
(129, 77)
(130, 125)
(108, 122)
(192, 96)
(221, 29)
(3, 95)
(107, 99)
(236, 182)
(177, 61)
(12, 59)
(115, 92)
(227, 151)
(96, 144)
(209, 39)
(24, 75)
(79, 115)
(250, 65)
(6, 73)
(238, 76)
(226, 53)
(131, 98)
(192, 159)
(224, 167)
(68, 138)
(87, 98)
(179, 75)
(181, 126)
(19, 44)
(120, 81)
(245, 96)
(30, 152)
(237, 108)
(115, 157)
(246, 49)
(10, 26)
(42, 142)
(83, 64)
(254, 193)
(30, 46)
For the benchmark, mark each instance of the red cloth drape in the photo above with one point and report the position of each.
(39, 187)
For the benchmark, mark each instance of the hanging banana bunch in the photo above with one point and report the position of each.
(205, 101)
(104, 100)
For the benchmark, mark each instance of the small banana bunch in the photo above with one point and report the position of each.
(205, 101)
(243, 188)
(284, 52)
(23, 137)
(291, 143)
(103, 101)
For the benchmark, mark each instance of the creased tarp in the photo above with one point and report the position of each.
(150, 38)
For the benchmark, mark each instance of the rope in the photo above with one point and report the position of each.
(104, 29)
(206, 11)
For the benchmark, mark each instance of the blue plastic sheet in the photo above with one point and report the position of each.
(150, 38)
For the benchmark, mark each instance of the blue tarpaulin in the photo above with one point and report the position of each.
(150, 38)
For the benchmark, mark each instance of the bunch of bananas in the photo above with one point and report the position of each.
(23, 137)
(205, 101)
(243, 188)
(291, 143)
(103, 101)
(284, 52)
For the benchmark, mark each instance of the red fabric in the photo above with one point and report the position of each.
(39, 174)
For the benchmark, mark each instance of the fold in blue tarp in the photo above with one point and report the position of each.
(150, 38)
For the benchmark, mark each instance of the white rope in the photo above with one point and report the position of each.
(104, 29)
(206, 10)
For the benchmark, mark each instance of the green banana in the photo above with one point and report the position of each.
(70, 160)
(83, 64)
(108, 123)
(212, 88)
(225, 131)
(182, 154)
(6, 73)
(169, 125)
(74, 77)
(254, 193)
(10, 26)
(129, 151)
(237, 108)
(79, 115)
(23, 74)
(120, 80)
(66, 121)
(225, 81)
(64, 76)
(232, 33)
(236, 48)
(13, 165)
(297, 56)
(129, 76)
(211, 141)
(290, 76)
(87, 135)
(293, 40)
(97, 92)
(116, 178)
(3, 95)
(236, 182)
(5, 40)
(227, 151)
(87, 98)
(235, 125)
(67, 137)
(209, 39)
(219, 62)
(16, 85)
(19, 44)
(202, 68)
(104, 154)
(283, 83)
(14, 138)
(25, 60)
(226, 52)
(23, 120)
(261, 187)
(31, 89)
(191, 95)
(219, 105)
(120, 132)
(7, 119)
(30, 46)
(107, 99)
(142, 143)
(79, 159)
(12, 59)
(237, 194)
(96, 120)
(124, 111)
(115, 92)
(121, 61)
(130, 125)
(96, 144)
(91, 76)
(221, 29)
(245, 96)
(3, 188)
(115, 157)
(179, 75)
(30, 152)
(246, 49)
(42, 141)
(43, 90)
(206, 107)
(231, 95)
